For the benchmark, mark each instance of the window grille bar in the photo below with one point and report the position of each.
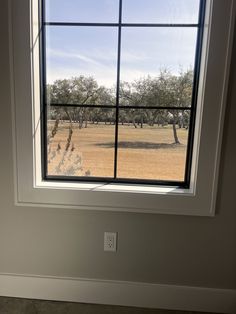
(117, 90)
(105, 180)
(120, 107)
(120, 24)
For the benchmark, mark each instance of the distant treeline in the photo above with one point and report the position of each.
(166, 91)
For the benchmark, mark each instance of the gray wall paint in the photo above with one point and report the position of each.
(181, 250)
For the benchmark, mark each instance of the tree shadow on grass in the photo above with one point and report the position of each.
(141, 145)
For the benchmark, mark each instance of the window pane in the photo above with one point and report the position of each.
(159, 11)
(152, 144)
(156, 61)
(81, 141)
(94, 11)
(87, 53)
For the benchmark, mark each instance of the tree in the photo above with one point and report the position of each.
(165, 91)
(82, 91)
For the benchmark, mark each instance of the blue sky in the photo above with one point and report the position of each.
(92, 51)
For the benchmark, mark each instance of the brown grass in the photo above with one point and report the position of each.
(147, 153)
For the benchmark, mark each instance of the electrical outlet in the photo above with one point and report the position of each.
(110, 241)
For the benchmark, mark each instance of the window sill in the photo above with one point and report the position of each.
(111, 187)
(114, 197)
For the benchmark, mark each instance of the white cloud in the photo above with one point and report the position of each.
(104, 76)
(63, 54)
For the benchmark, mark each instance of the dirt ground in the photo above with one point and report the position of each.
(147, 153)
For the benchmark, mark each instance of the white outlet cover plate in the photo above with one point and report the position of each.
(110, 241)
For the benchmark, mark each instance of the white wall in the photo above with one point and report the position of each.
(194, 251)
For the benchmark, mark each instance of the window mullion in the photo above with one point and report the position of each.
(43, 82)
(117, 88)
(197, 64)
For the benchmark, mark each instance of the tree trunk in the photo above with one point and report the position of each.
(70, 131)
(175, 133)
(141, 126)
(134, 124)
(81, 121)
(55, 127)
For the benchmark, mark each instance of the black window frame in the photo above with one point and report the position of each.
(192, 109)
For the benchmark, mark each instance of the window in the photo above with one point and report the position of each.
(120, 83)
(196, 199)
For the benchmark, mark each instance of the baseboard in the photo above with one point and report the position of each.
(119, 293)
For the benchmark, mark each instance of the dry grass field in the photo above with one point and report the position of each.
(147, 153)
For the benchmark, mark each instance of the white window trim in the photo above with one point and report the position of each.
(198, 200)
